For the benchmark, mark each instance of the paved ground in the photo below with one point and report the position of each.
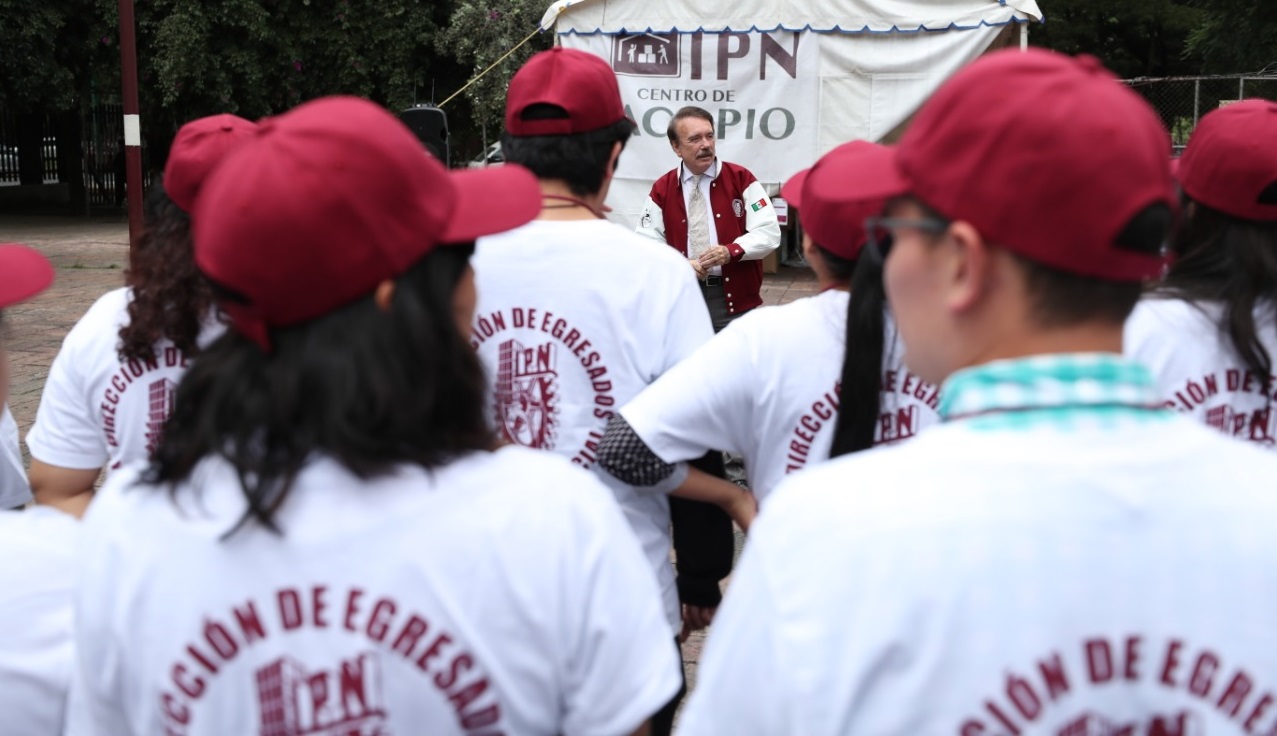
(91, 255)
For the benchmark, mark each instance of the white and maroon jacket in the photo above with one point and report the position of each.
(744, 219)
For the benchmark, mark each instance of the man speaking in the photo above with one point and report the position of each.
(716, 214)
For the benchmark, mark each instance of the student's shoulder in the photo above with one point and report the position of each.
(546, 468)
(806, 309)
(112, 301)
(534, 493)
(40, 546)
(104, 317)
(1157, 310)
(1160, 330)
(797, 323)
(122, 496)
(533, 477)
(40, 530)
(872, 486)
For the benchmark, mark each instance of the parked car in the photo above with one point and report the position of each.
(491, 157)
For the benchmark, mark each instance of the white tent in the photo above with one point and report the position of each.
(785, 80)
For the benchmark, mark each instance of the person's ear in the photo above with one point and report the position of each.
(613, 160)
(809, 247)
(969, 267)
(383, 295)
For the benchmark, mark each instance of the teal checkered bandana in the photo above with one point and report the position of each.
(1067, 390)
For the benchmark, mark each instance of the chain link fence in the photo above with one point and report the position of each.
(1182, 101)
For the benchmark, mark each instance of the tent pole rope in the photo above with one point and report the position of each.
(479, 76)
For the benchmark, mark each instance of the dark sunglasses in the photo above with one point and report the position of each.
(881, 231)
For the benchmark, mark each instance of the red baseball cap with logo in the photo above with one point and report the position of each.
(1230, 163)
(198, 147)
(835, 219)
(579, 82)
(26, 272)
(1047, 155)
(330, 199)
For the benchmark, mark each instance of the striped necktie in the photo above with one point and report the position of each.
(697, 220)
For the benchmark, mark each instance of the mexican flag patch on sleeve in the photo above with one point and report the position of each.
(759, 204)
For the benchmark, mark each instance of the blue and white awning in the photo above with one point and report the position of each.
(827, 16)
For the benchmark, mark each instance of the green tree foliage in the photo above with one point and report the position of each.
(1134, 38)
(261, 57)
(47, 50)
(199, 57)
(480, 33)
(257, 57)
(1235, 36)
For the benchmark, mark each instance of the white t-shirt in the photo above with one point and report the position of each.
(14, 488)
(97, 410)
(1197, 370)
(767, 388)
(573, 320)
(978, 582)
(36, 591)
(502, 593)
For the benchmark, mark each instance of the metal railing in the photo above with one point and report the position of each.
(100, 148)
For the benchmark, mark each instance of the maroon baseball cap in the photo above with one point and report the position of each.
(26, 273)
(835, 220)
(1047, 155)
(579, 82)
(198, 147)
(330, 199)
(1230, 163)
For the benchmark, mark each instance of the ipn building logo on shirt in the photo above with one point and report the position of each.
(160, 396)
(646, 55)
(1183, 723)
(1256, 426)
(527, 393)
(344, 701)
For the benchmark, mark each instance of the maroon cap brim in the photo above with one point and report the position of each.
(26, 272)
(492, 200)
(792, 190)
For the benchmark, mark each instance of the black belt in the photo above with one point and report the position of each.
(713, 281)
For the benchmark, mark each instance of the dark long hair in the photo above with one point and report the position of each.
(1221, 258)
(369, 388)
(859, 403)
(170, 296)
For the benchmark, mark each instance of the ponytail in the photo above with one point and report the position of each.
(863, 348)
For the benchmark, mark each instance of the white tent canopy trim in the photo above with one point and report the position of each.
(766, 16)
(780, 97)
